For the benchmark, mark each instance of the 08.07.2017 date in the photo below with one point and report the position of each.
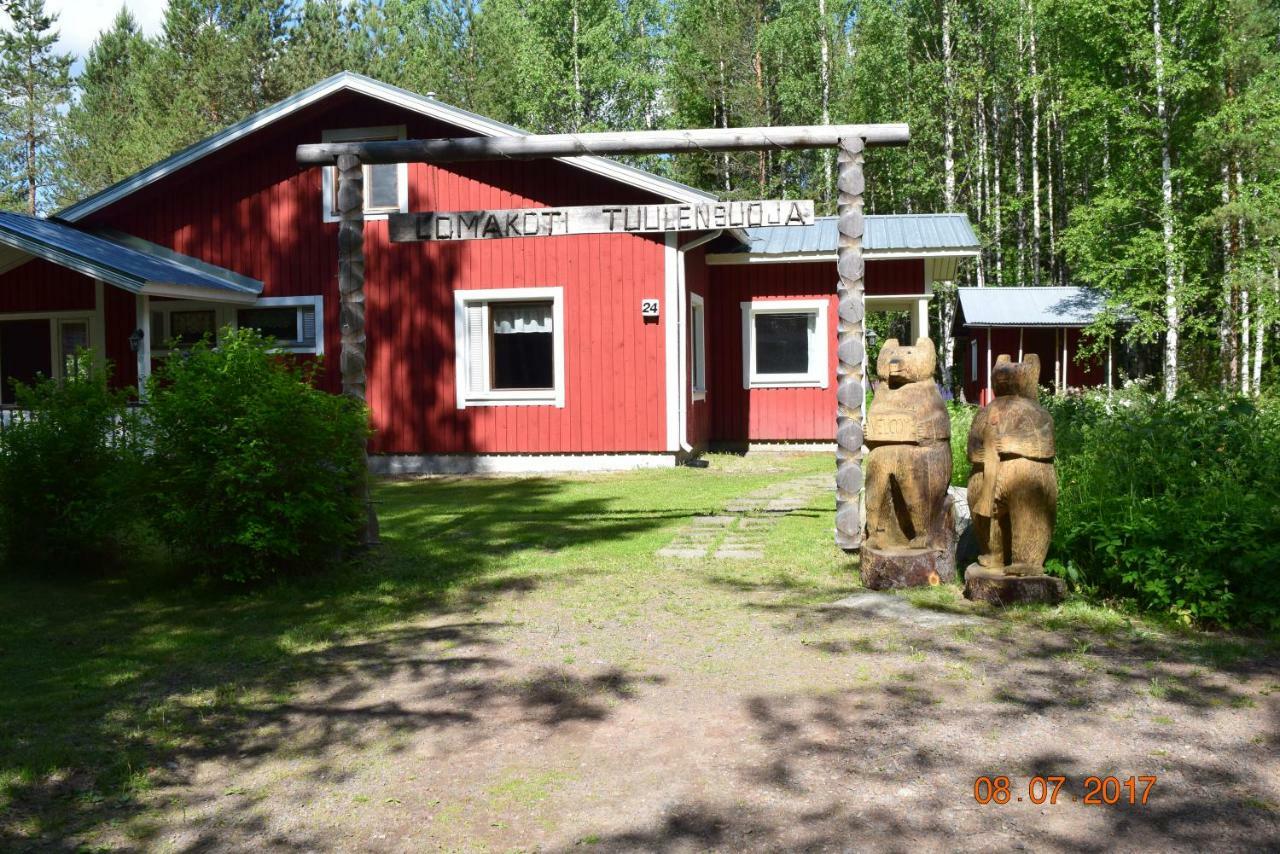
(1098, 791)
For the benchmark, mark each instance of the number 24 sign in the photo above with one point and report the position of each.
(648, 308)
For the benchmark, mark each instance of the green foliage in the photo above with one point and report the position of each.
(1172, 505)
(254, 471)
(35, 85)
(69, 472)
(961, 418)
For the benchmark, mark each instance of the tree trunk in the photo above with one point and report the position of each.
(1035, 148)
(948, 113)
(577, 74)
(996, 204)
(984, 188)
(1171, 273)
(1246, 374)
(1226, 323)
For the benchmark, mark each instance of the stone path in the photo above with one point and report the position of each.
(739, 531)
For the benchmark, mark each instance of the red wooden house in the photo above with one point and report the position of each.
(521, 353)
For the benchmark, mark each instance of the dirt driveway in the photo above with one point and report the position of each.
(696, 703)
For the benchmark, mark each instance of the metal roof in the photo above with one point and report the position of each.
(1030, 306)
(905, 235)
(348, 81)
(135, 266)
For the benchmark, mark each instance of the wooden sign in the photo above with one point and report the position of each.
(607, 219)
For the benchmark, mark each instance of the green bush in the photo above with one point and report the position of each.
(1174, 506)
(254, 471)
(961, 419)
(69, 472)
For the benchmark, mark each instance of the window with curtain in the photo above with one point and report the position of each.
(510, 347)
(522, 349)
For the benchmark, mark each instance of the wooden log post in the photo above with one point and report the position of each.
(851, 349)
(350, 174)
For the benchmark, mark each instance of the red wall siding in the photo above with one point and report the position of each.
(1044, 342)
(250, 209)
(697, 281)
(897, 276)
(40, 286)
(739, 414)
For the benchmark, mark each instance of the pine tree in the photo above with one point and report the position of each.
(104, 138)
(35, 83)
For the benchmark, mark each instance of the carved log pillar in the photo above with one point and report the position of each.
(851, 351)
(350, 175)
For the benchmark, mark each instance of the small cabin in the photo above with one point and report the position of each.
(1047, 321)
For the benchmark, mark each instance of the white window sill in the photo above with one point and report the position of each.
(786, 382)
(550, 399)
(368, 217)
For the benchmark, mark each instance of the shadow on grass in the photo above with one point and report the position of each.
(109, 689)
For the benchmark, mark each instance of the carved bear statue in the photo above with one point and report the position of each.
(1013, 490)
(909, 464)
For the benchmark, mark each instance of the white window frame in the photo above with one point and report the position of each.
(466, 397)
(816, 376)
(329, 173)
(56, 319)
(228, 314)
(973, 360)
(697, 347)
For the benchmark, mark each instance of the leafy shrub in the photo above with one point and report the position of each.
(69, 472)
(254, 471)
(961, 419)
(1172, 505)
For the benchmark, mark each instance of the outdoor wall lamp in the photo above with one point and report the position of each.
(135, 340)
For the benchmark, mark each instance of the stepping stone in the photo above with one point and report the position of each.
(739, 554)
(886, 607)
(670, 551)
(714, 521)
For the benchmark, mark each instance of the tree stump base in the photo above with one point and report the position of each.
(896, 568)
(985, 584)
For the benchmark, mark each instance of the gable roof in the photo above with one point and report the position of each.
(140, 268)
(348, 81)
(1030, 306)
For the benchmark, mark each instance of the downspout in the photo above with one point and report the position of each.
(682, 346)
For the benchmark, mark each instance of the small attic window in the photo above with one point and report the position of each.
(386, 186)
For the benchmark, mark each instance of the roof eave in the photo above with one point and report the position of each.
(381, 91)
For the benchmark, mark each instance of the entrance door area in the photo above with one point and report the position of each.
(26, 349)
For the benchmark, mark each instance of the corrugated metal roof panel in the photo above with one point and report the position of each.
(1030, 306)
(892, 233)
(129, 267)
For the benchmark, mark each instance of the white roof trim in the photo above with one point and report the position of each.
(358, 83)
(809, 257)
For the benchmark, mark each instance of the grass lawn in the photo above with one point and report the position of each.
(515, 667)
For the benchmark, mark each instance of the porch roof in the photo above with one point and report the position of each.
(124, 261)
(1030, 306)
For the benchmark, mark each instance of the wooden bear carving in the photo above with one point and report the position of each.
(909, 464)
(1013, 491)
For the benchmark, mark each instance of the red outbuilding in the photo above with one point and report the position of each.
(1047, 321)
(527, 353)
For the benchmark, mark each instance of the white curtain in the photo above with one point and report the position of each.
(526, 317)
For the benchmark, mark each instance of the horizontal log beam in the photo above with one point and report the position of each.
(583, 144)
